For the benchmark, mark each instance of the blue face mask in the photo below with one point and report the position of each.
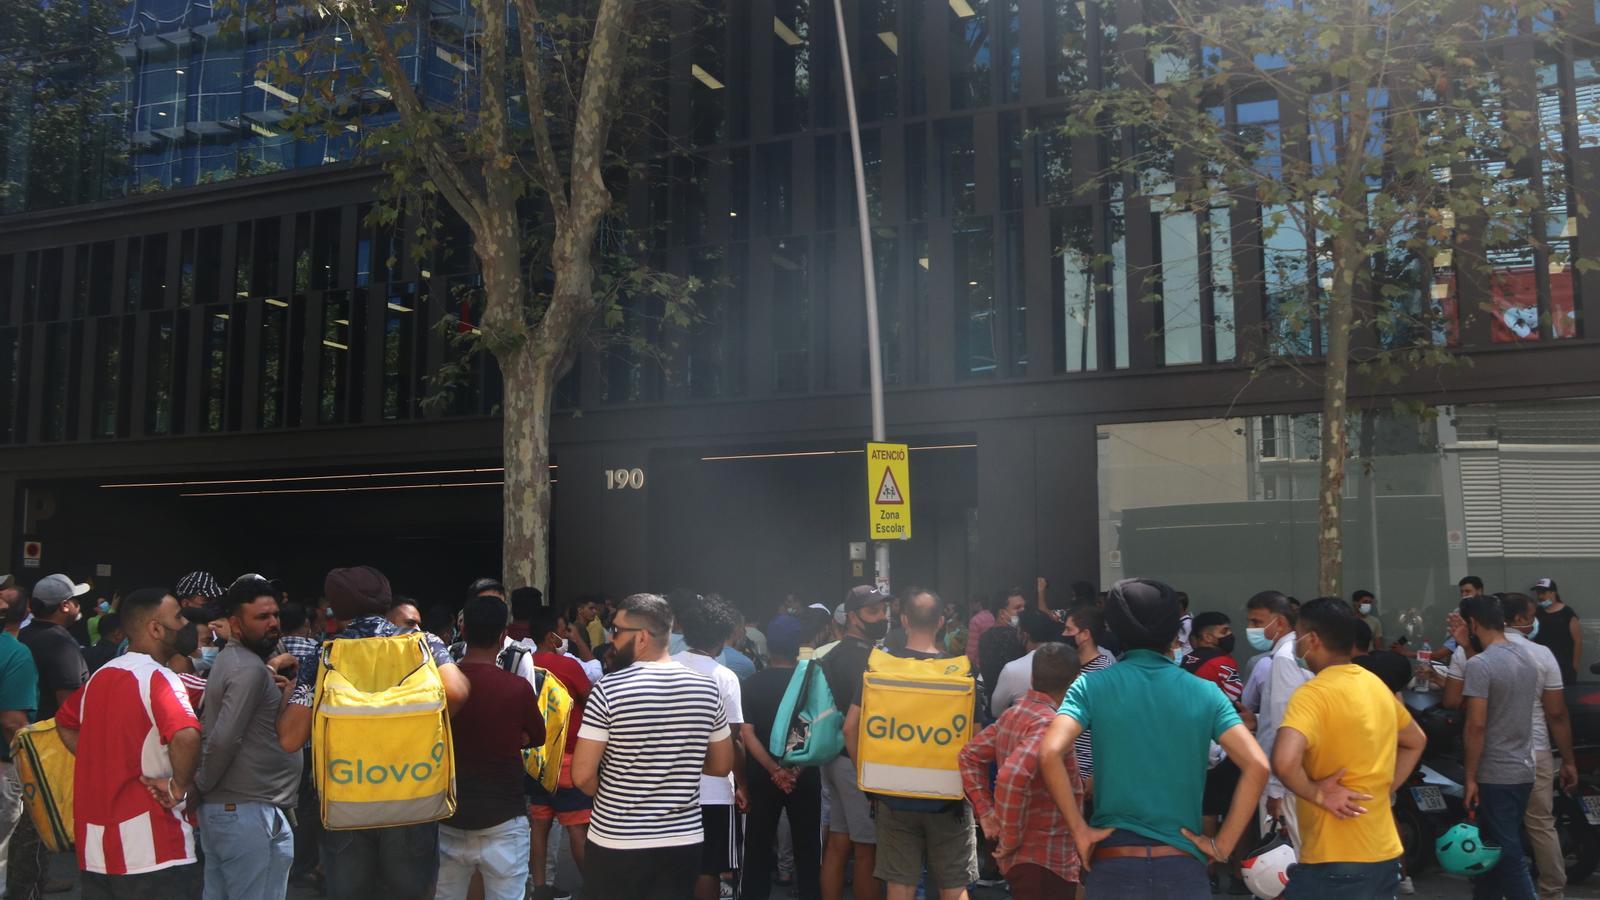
(1533, 630)
(1258, 639)
(1177, 655)
(1546, 604)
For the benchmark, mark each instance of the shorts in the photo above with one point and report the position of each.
(722, 848)
(849, 810)
(1220, 782)
(944, 842)
(568, 805)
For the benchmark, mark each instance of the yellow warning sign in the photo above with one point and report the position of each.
(888, 492)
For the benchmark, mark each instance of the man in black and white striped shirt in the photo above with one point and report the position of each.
(650, 729)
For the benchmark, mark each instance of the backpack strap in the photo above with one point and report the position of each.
(511, 658)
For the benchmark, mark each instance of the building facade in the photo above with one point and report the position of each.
(210, 355)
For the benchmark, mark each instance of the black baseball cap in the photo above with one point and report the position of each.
(863, 595)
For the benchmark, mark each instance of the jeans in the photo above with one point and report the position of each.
(1500, 811)
(1342, 881)
(10, 812)
(767, 805)
(1161, 878)
(249, 850)
(397, 863)
(499, 853)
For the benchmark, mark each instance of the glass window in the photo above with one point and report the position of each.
(214, 359)
(916, 172)
(691, 180)
(877, 92)
(739, 194)
(1286, 271)
(1219, 232)
(708, 69)
(1053, 161)
(791, 65)
(10, 383)
(1010, 160)
(48, 286)
(1076, 278)
(59, 382)
(892, 318)
(153, 284)
(715, 350)
(201, 266)
(970, 60)
(1016, 306)
(1179, 287)
(111, 335)
(827, 182)
(335, 370)
(164, 376)
(958, 168)
(910, 53)
(972, 267)
(872, 168)
(276, 354)
(399, 352)
(1066, 48)
(1116, 224)
(325, 248)
(791, 315)
(81, 279)
(7, 267)
(1011, 52)
(775, 162)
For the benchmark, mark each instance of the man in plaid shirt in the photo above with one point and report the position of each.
(1035, 852)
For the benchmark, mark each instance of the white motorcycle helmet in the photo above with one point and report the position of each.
(1266, 871)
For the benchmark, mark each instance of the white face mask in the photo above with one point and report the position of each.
(563, 648)
(1366, 609)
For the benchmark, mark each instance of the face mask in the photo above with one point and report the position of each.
(1225, 644)
(875, 631)
(208, 654)
(563, 648)
(1535, 632)
(104, 607)
(1177, 655)
(1546, 604)
(1366, 609)
(1258, 639)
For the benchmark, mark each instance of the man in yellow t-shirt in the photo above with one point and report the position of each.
(1346, 744)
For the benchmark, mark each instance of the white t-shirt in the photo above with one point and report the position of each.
(715, 790)
(1014, 680)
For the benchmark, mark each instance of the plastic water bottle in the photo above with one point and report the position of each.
(1425, 656)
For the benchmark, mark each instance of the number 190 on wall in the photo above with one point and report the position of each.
(624, 479)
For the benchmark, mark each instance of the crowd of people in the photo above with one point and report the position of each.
(1120, 748)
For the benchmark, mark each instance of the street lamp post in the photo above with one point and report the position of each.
(869, 272)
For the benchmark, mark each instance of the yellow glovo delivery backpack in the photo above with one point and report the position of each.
(543, 762)
(44, 765)
(916, 715)
(380, 735)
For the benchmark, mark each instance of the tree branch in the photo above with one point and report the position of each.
(533, 86)
(447, 175)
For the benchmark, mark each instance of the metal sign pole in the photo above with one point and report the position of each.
(869, 272)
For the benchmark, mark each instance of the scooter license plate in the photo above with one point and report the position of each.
(1429, 799)
(1591, 808)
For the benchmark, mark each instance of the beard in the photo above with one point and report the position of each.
(264, 645)
(619, 659)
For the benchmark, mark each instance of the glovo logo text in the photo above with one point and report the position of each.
(889, 728)
(359, 771)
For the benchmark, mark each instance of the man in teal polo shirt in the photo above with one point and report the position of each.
(19, 699)
(1151, 726)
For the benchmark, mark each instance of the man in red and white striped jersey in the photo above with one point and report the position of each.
(138, 744)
